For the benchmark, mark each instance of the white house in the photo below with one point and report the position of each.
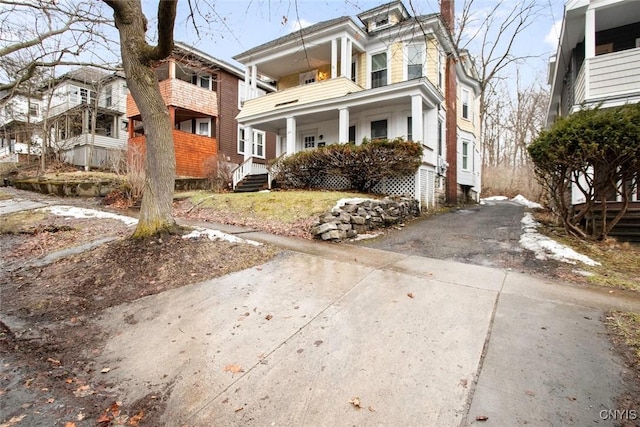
(20, 117)
(86, 117)
(342, 80)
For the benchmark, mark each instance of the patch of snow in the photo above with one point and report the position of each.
(340, 203)
(524, 202)
(482, 202)
(75, 212)
(499, 198)
(365, 236)
(218, 235)
(546, 248)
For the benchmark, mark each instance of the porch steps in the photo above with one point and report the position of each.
(252, 183)
(628, 228)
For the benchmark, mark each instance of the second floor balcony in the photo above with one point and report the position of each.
(608, 77)
(182, 94)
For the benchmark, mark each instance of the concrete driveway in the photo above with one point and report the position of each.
(332, 334)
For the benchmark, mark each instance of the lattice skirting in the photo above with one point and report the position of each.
(420, 186)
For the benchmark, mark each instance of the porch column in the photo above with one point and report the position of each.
(172, 69)
(247, 81)
(248, 142)
(417, 128)
(334, 58)
(254, 80)
(590, 33)
(343, 56)
(291, 135)
(349, 58)
(343, 126)
(278, 146)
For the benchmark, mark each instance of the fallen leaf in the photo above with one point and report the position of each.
(482, 418)
(234, 369)
(14, 420)
(269, 317)
(105, 370)
(355, 401)
(370, 408)
(68, 380)
(410, 295)
(104, 418)
(70, 424)
(53, 361)
(464, 382)
(238, 409)
(50, 400)
(135, 420)
(80, 416)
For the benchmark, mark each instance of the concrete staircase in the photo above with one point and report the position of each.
(253, 183)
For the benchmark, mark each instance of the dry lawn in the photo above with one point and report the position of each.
(289, 213)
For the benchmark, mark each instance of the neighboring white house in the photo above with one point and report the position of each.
(86, 117)
(20, 117)
(597, 62)
(342, 81)
(82, 113)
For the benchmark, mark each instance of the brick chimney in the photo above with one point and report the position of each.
(447, 10)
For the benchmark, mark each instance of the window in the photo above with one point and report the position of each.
(108, 129)
(379, 129)
(465, 155)
(354, 70)
(203, 127)
(34, 110)
(73, 94)
(259, 138)
(124, 125)
(414, 62)
(352, 134)
(409, 129)
(440, 137)
(465, 104)
(379, 70)
(309, 141)
(241, 140)
(108, 96)
(258, 143)
(440, 69)
(204, 81)
(87, 96)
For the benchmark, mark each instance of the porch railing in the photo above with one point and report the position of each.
(248, 167)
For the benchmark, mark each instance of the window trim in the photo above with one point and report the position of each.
(386, 69)
(466, 106)
(386, 120)
(108, 96)
(202, 121)
(421, 50)
(254, 145)
(465, 154)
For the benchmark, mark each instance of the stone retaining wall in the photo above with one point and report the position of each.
(353, 216)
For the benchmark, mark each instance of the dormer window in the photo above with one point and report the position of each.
(382, 22)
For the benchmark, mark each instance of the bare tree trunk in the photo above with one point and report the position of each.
(156, 213)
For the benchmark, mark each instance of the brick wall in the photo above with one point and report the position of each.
(227, 124)
(191, 152)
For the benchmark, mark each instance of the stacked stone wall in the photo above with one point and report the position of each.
(356, 216)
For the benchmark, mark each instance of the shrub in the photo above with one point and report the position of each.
(219, 172)
(363, 165)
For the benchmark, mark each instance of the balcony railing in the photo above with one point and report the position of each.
(609, 75)
(182, 94)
